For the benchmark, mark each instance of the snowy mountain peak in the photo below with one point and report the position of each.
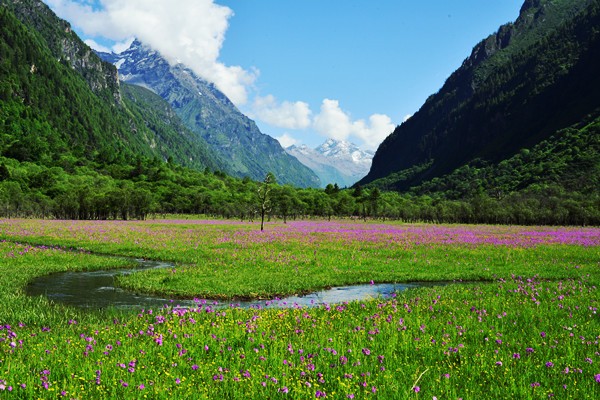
(335, 161)
(344, 149)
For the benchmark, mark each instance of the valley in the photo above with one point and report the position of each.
(155, 243)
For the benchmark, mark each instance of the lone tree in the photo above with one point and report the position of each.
(264, 197)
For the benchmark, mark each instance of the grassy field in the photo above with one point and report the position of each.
(528, 328)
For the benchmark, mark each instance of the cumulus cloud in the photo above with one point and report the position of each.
(288, 115)
(407, 117)
(187, 31)
(286, 140)
(332, 121)
(336, 123)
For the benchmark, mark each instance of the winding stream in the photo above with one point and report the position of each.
(96, 289)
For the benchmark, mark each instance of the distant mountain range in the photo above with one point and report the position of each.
(335, 161)
(520, 87)
(238, 145)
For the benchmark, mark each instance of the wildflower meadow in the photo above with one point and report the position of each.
(517, 315)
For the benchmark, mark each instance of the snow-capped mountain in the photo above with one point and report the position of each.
(335, 161)
(243, 150)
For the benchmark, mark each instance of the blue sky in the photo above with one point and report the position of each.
(311, 69)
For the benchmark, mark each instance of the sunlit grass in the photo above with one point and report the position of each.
(221, 259)
(530, 330)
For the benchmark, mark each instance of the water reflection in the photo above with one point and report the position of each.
(96, 289)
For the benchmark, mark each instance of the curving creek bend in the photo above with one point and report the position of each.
(96, 289)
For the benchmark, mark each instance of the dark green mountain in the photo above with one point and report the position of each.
(567, 162)
(519, 88)
(66, 46)
(59, 99)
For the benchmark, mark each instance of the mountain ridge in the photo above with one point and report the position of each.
(212, 116)
(67, 47)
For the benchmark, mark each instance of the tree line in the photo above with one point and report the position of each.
(150, 187)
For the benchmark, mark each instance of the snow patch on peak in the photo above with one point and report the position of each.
(335, 161)
(119, 63)
(344, 149)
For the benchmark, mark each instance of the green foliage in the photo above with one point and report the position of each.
(51, 109)
(569, 162)
(70, 190)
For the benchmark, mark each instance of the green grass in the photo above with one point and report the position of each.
(231, 260)
(529, 331)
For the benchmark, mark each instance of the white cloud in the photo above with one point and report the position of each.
(191, 31)
(332, 121)
(289, 115)
(286, 140)
(407, 117)
(380, 126)
(335, 123)
(120, 47)
(96, 46)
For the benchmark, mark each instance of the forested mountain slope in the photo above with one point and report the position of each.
(519, 87)
(567, 162)
(66, 46)
(57, 105)
(172, 136)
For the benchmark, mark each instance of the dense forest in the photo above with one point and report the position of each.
(151, 186)
(55, 103)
